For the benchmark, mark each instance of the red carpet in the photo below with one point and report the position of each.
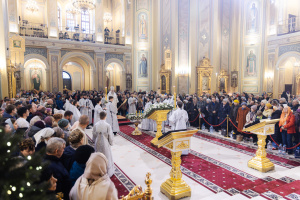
(122, 182)
(206, 171)
(244, 149)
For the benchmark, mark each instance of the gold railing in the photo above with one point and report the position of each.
(137, 192)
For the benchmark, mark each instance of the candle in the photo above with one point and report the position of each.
(106, 93)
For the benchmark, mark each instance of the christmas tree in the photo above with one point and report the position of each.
(20, 181)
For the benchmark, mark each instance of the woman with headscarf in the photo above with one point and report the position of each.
(251, 116)
(95, 182)
(268, 111)
(49, 121)
(37, 126)
(287, 127)
(42, 138)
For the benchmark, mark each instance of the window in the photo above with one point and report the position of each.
(66, 75)
(58, 16)
(71, 21)
(85, 22)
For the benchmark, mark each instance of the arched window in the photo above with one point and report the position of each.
(66, 75)
(71, 23)
(85, 22)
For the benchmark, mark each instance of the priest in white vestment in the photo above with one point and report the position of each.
(178, 120)
(132, 102)
(86, 107)
(111, 117)
(72, 106)
(146, 122)
(98, 109)
(103, 137)
(113, 94)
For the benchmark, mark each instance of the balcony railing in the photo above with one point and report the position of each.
(33, 29)
(290, 25)
(76, 34)
(68, 33)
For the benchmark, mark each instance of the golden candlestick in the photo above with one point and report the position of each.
(106, 93)
(159, 116)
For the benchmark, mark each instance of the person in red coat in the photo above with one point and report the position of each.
(241, 116)
(287, 128)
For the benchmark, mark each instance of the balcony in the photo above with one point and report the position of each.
(288, 26)
(33, 29)
(69, 33)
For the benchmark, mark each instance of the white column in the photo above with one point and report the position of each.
(3, 71)
(99, 27)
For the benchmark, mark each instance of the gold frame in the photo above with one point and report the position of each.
(224, 75)
(204, 70)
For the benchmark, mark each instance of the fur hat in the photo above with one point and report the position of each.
(254, 107)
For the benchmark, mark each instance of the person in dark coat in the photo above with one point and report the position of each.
(224, 110)
(295, 105)
(284, 95)
(277, 135)
(233, 113)
(54, 150)
(193, 113)
(76, 140)
(82, 155)
(213, 108)
(39, 125)
(297, 124)
(10, 112)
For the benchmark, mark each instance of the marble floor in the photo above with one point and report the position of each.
(135, 163)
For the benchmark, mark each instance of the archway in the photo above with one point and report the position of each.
(77, 75)
(67, 80)
(288, 67)
(114, 76)
(82, 69)
(35, 75)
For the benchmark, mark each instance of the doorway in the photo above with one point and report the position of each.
(67, 81)
(288, 87)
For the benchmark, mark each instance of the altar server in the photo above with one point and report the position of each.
(114, 95)
(111, 118)
(103, 137)
(86, 107)
(178, 120)
(98, 109)
(132, 101)
(146, 122)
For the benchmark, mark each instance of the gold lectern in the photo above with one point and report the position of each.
(176, 188)
(159, 116)
(260, 162)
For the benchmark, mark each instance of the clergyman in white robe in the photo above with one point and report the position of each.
(178, 120)
(111, 118)
(86, 108)
(74, 110)
(132, 105)
(103, 137)
(98, 109)
(114, 95)
(146, 122)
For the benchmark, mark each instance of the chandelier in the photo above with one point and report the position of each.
(107, 17)
(73, 10)
(84, 5)
(32, 6)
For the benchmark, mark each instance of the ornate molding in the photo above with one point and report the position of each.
(33, 50)
(115, 56)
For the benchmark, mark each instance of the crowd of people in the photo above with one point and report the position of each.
(81, 166)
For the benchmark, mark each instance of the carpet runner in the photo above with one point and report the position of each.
(278, 160)
(122, 182)
(208, 172)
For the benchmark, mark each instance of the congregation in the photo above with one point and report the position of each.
(81, 166)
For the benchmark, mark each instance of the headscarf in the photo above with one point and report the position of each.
(236, 101)
(63, 123)
(42, 134)
(269, 105)
(40, 124)
(96, 167)
(58, 132)
(34, 119)
(284, 117)
(48, 121)
(254, 107)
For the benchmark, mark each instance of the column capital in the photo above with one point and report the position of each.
(53, 50)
